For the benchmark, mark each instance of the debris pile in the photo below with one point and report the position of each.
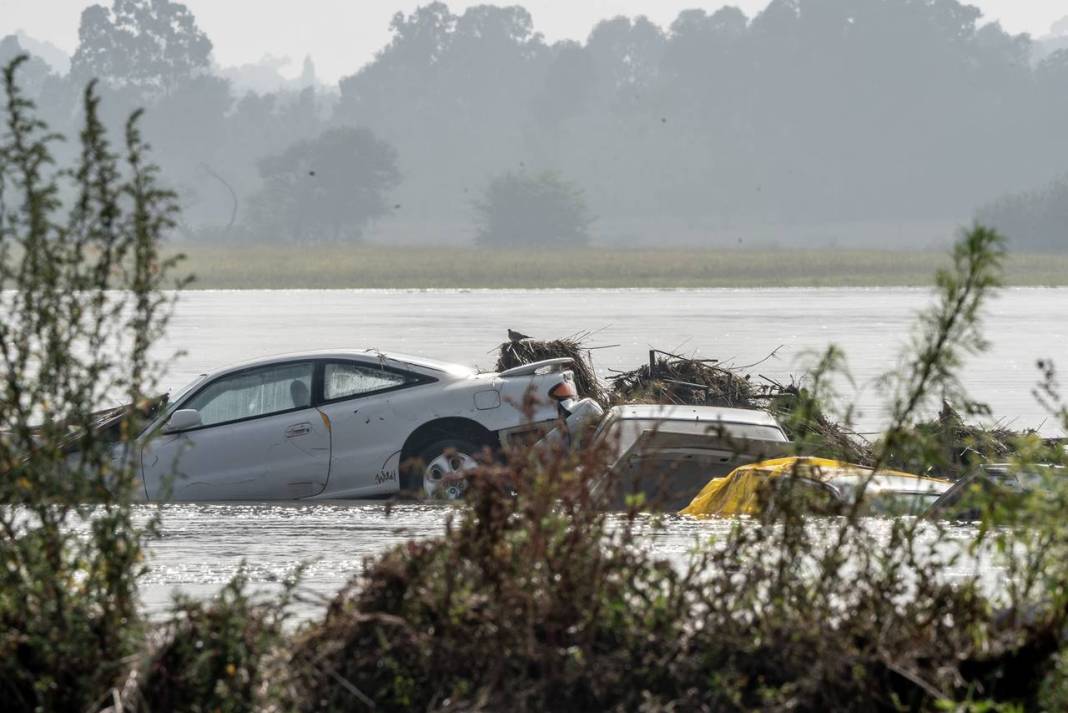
(965, 441)
(517, 352)
(671, 379)
(823, 436)
(963, 445)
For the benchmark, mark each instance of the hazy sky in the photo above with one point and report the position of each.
(341, 35)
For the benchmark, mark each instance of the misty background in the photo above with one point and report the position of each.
(813, 123)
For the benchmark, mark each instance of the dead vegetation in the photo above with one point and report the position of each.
(823, 436)
(518, 352)
(672, 379)
(963, 441)
(961, 445)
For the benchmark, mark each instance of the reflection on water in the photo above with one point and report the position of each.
(203, 546)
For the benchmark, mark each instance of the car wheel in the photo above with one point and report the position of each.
(443, 468)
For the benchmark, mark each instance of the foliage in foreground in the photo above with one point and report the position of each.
(80, 307)
(534, 598)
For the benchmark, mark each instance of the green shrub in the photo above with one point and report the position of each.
(80, 307)
(212, 657)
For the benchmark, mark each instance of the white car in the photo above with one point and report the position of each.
(668, 453)
(340, 425)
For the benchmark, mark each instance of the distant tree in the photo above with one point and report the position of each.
(701, 54)
(808, 112)
(325, 189)
(307, 73)
(197, 140)
(1052, 75)
(455, 90)
(628, 54)
(33, 72)
(203, 104)
(148, 45)
(570, 81)
(55, 99)
(522, 209)
(1037, 220)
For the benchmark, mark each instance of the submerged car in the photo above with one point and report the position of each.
(666, 454)
(993, 483)
(340, 425)
(820, 485)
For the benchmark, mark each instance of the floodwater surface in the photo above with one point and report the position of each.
(203, 546)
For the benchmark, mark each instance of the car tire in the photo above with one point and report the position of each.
(436, 472)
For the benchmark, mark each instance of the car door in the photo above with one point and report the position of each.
(358, 399)
(260, 438)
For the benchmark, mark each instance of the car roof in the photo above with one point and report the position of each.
(441, 369)
(693, 413)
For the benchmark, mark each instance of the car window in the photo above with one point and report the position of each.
(259, 392)
(343, 380)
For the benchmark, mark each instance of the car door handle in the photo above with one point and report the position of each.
(298, 429)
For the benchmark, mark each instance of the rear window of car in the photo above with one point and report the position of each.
(629, 430)
(343, 380)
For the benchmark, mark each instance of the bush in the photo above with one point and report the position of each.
(212, 656)
(82, 304)
(521, 209)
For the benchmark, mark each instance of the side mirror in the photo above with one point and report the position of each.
(182, 420)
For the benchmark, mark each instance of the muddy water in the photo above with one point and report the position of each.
(203, 546)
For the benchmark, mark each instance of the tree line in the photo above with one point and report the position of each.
(811, 112)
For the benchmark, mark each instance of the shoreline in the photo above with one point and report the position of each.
(241, 267)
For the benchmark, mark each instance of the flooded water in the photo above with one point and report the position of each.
(203, 546)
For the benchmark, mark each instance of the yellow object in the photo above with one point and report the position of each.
(737, 493)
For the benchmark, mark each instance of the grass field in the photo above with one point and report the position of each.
(245, 267)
